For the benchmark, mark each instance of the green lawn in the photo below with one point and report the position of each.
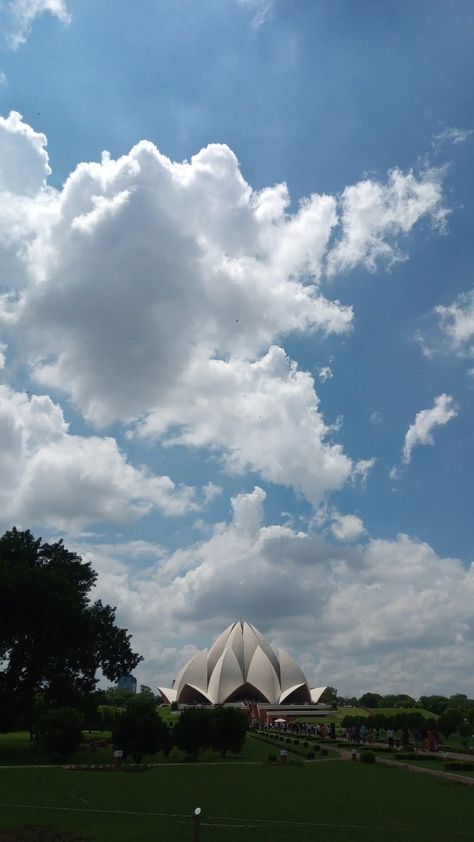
(338, 801)
(394, 711)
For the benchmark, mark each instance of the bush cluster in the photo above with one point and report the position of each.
(367, 756)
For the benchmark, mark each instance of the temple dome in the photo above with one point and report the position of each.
(241, 665)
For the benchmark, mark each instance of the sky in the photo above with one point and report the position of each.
(237, 322)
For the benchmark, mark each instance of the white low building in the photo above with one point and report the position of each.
(241, 665)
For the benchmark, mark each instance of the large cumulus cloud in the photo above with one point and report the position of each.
(143, 284)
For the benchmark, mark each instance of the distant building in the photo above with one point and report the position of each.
(127, 682)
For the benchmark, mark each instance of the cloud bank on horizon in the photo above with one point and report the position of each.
(195, 391)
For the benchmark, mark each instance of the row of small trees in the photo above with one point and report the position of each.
(139, 730)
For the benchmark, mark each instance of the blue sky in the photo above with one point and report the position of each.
(261, 385)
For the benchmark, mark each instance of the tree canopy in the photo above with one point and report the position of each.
(53, 638)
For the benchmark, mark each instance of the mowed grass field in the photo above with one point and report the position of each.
(334, 800)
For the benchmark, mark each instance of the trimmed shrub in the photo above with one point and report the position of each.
(296, 742)
(288, 739)
(272, 758)
(367, 756)
(324, 752)
(305, 745)
(310, 755)
(316, 747)
(59, 733)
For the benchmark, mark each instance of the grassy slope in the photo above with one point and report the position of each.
(385, 804)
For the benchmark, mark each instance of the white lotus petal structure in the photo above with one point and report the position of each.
(241, 665)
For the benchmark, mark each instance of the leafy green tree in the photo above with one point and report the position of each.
(146, 691)
(398, 700)
(460, 700)
(53, 639)
(465, 729)
(449, 721)
(118, 698)
(193, 731)
(229, 727)
(139, 731)
(435, 704)
(371, 700)
(329, 696)
(58, 732)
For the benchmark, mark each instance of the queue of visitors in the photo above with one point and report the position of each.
(395, 738)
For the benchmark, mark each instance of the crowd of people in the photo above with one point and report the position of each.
(394, 738)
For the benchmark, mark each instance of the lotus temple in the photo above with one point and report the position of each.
(242, 667)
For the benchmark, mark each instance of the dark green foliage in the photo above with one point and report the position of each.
(329, 696)
(404, 721)
(371, 700)
(465, 729)
(58, 733)
(310, 755)
(53, 639)
(324, 752)
(117, 698)
(192, 733)
(272, 758)
(228, 728)
(221, 729)
(449, 721)
(367, 757)
(174, 706)
(459, 766)
(139, 731)
(435, 704)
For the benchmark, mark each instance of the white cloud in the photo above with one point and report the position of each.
(452, 135)
(18, 17)
(391, 614)
(376, 417)
(362, 469)
(347, 527)
(141, 264)
(453, 328)
(25, 167)
(420, 432)
(152, 292)
(375, 216)
(54, 478)
(3, 78)
(325, 372)
(457, 323)
(3, 358)
(262, 11)
(264, 415)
